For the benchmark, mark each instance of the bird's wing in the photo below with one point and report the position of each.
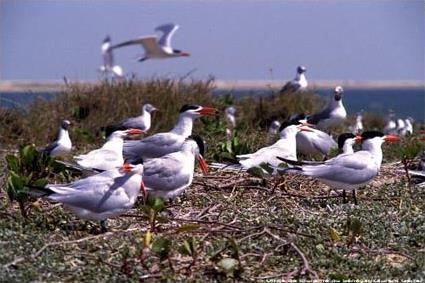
(323, 142)
(149, 43)
(164, 173)
(290, 86)
(135, 123)
(152, 146)
(99, 196)
(98, 159)
(350, 169)
(322, 115)
(168, 31)
(50, 147)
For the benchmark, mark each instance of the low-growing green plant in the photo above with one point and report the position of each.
(151, 208)
(29, 168)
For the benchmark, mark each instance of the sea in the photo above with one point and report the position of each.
(409, 102)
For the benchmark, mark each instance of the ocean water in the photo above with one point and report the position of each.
(405, 102)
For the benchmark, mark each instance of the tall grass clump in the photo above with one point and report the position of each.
(90, 107)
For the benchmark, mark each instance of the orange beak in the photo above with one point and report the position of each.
(358, 139)
(208, 111)
(305, 128)
(134, 132)
(184, 54)
(203, 164)
(142, 188)
(391, 138)
(126, 168)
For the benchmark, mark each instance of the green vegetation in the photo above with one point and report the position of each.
(227, 226)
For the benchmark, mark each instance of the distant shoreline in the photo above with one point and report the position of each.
(55, 86)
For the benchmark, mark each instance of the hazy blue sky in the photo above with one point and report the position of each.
(358, 40)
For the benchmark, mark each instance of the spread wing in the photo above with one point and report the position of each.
(168, 32)
(149, 43)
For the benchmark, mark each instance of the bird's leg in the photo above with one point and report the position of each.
(103, 228)
(354, 197)
(344, 197)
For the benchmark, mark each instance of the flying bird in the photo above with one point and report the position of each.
(109, 67)
(299, 83)
(157, 48)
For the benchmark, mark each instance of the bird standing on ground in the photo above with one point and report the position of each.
(109, 67)
(142, 122)
(164, 143)
(333, 114)
(358, 125)
(101, 196)
(348, 171)
(297, 84)
(109, 156)
(168, 176)
(313, 142)
(157, 48)
(62, 145)
(231, 120)
(286, 146)
(390, 125)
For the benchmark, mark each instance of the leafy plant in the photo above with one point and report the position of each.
(151, 208)
(29, 168)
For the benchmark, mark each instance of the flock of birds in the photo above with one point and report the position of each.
(163, 164)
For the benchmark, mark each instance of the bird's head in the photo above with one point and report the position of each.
(301, 69)
(338, 92)
(65, 124)
(195, 111)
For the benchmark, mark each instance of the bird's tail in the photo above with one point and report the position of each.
(77, 168)
(38, 191)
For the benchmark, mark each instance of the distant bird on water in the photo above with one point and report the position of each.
(108, 67)
(157, 48)
(62, 145)
(297, 84)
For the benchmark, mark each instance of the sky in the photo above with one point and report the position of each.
(229, 40)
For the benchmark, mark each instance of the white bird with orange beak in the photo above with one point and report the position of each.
(348, 171)
(286, 146)
(164, 143)
(101, 196)
(168, 176)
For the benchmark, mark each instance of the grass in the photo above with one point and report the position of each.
(227, 226)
